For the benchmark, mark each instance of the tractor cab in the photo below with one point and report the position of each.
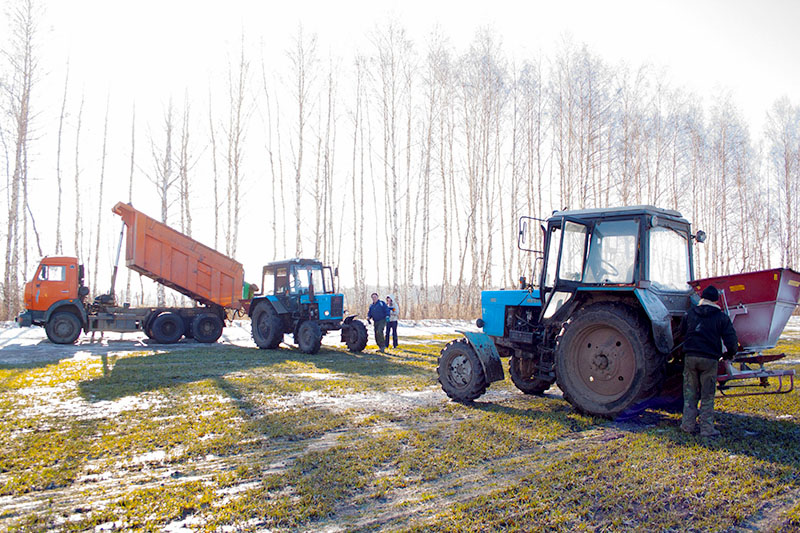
(642, 250)
(302, 284)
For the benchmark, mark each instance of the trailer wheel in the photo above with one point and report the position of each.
(207, 327)
(63, 328)
(267, 327)
(521, 371)
(356, 336)
(460, 371)
(167, 328)
(309, 337)
(606, 361)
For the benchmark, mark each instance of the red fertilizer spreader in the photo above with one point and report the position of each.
(759, 305)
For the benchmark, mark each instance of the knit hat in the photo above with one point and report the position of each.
(710, 293)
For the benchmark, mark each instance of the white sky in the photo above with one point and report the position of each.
(149, 50)
(749, 47)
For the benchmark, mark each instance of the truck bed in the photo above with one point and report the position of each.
(179, 262)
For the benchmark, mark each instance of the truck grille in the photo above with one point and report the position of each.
(337, 305)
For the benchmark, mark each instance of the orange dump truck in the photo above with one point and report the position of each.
(56, 298)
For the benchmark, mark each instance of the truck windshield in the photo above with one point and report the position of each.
(612, 252)
(669, 259)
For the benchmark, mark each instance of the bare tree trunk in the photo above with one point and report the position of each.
(78, 228)
(237, 125)
(100, 198)
(59, 245)
(130, 191)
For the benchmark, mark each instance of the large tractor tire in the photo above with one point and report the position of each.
(356, 336)
(309, 337)
(521, 371)
(267, 327)
(207, 327)
(460, 371)
(63, 328)
(606, 361)
(167, 328)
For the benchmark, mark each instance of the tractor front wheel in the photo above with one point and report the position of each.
(606, 361)
(460, 371)
(309, 337)
(521, 371)
(356, 336)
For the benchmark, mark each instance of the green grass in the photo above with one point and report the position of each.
(253, 439)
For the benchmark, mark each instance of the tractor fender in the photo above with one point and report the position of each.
(487, 353)
(660, 319)
(74, 306)
(348, 319)
(270, 300)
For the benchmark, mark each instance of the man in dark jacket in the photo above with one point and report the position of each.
(378, 313)
(704, 328)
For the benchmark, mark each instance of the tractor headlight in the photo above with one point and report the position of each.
(327, 313)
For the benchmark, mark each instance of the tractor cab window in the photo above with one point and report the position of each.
(669, 259)
(572, 252)
(281, 281)
(316, 279)
(299, 281)
(53, 273)
(612, 252)
(552, 257)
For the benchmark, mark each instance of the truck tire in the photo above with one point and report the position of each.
(356, 336)
(521, 376)
(267, 327)
(207, 327)
(63, 328)
(309, 337)
(167, 328)
(460, 371)
(606, 361)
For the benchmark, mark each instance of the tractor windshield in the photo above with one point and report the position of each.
(612, 252)
(669, 259)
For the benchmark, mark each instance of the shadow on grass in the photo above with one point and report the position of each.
(133, 375)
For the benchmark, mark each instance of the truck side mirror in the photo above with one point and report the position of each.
(700, 236)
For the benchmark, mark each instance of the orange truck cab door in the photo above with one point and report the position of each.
(56, 279)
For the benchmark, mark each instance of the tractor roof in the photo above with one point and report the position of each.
(633, 210)
(295, 261)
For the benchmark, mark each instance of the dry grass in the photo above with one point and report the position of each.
(241, 439)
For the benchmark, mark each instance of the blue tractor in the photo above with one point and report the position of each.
(299, 297)
(603, 323)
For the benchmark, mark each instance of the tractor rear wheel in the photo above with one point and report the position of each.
(460, 371)
(606, 361)
(167, 328)
(521, 371)
(207, 327)
(309, 337)
(356, 336)
(63, 328)
(267, 327)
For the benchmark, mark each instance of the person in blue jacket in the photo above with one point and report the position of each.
(378, 313)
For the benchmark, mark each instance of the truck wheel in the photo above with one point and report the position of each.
(356, 336)
(63, 328)
(606, 361)
(460, 371)
(207, 327)
(521, 371)
(309, 337)
(167, 328)
(267, 328)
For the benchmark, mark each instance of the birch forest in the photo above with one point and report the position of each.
(407, 164)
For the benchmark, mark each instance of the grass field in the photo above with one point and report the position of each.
(238, 439)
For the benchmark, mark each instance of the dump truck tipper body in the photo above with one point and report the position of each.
(179, 262)
(56, 298)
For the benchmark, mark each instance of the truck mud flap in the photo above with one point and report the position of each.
(487, 353)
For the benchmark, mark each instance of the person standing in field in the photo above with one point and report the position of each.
(391, 323)
(705, 327)
(378, 313)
